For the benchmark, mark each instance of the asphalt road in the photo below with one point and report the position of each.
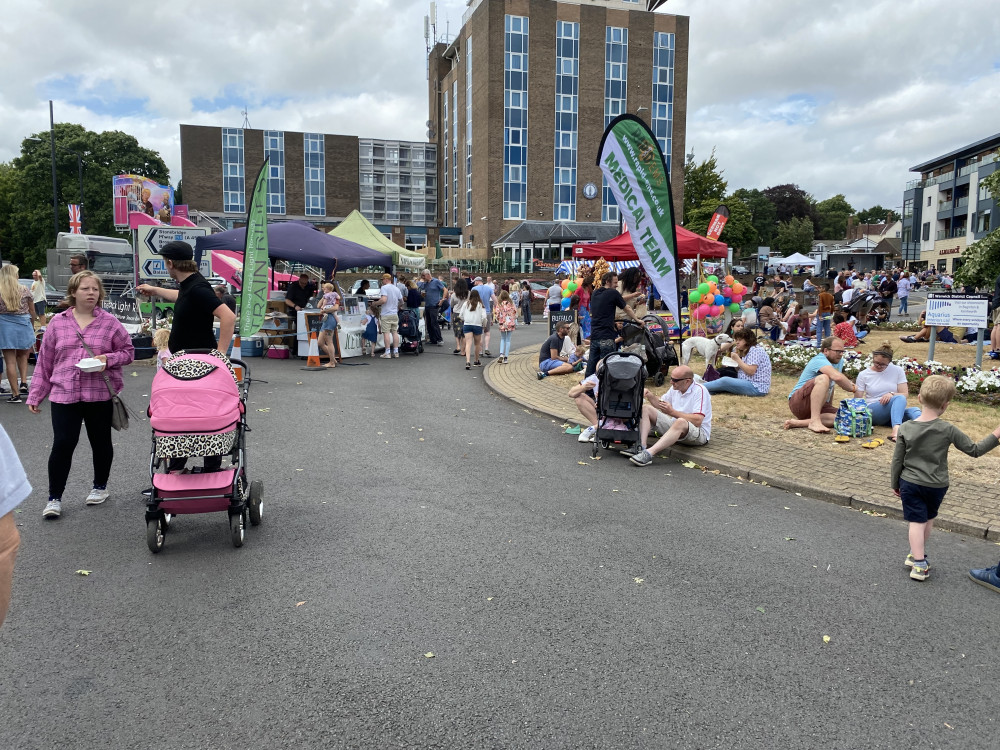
(411, 512)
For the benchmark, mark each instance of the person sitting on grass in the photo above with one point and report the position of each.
(811, 399)
(943, 335)
(681, 415)
(885, 387)
(919, 472)
(753, 377)
(551, 360)
(845, 330)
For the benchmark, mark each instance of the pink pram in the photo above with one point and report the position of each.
(197, 407)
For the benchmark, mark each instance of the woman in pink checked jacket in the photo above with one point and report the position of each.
(77, 397)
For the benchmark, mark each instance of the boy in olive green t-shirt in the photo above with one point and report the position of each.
(920, 465)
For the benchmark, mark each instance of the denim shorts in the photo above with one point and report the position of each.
(920, 504)
(474, 330)
(329, 323)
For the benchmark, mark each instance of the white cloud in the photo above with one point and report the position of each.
(837, 97)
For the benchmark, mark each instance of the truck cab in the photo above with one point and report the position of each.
(111, 258)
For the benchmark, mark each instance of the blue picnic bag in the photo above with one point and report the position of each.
(853, 418)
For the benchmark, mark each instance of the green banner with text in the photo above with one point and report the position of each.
(253, 297)
(633, 165)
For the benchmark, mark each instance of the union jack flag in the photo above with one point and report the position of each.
(75, 222)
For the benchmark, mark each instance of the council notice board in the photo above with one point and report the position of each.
(965, 310)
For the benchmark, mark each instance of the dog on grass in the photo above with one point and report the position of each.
(708, 348)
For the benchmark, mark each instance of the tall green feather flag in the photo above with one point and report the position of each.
(253, 297)
(633, 164)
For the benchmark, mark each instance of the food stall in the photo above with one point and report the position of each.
(301, 242)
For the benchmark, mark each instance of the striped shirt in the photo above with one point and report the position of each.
(57, 376)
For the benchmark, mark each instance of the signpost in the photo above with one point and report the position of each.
(965, 310)
(149, 241)
(126, 309)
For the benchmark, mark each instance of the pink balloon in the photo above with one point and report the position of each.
(703, 311)
(737, 298)
(716, 310)
(693, 313)
(727, 292)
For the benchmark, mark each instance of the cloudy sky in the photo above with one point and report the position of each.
(838, 97)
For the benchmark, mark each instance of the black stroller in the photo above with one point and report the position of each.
(621, 378)
(868, 306)
(409, 331)
(658, 351)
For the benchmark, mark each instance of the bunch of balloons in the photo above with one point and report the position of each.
(712, 297)
(569, 288)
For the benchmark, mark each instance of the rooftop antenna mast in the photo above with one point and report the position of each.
(246, 119)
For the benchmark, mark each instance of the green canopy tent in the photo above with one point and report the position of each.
(357, 228)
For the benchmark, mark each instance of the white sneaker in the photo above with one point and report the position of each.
(96, 497)
(53, 509)
(587, 436)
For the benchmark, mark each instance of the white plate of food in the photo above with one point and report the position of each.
(90, 364)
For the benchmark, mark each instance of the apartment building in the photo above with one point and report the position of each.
(947, 208)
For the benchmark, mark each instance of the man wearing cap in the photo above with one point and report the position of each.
(195, 303)
(432, 290)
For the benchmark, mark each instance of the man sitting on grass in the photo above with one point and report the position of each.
(681, 415)
(811, 399)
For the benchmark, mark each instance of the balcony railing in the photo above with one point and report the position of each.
(941, 234)
(958, 232)
(939, 179)
(914, 184)
(962, 202)
(945, 206)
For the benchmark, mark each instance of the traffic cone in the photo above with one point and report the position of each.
(312, 361)
(237, 353)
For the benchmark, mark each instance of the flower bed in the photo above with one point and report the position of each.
(970, 382)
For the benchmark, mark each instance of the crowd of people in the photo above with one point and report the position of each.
(82, 399)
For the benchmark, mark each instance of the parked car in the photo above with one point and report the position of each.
(741, 270)
(373, 286)
(539, 289)
(52, 295)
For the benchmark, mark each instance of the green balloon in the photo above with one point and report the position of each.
(714, 279)
(571, 286)
(694, 296)
(703, 287)
(734, 307)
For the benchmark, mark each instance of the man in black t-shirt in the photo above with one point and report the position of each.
(195, 307)
(297, 295)
(758, 282)
(603, 303)
(195, 303)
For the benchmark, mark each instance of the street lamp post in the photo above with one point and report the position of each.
(79, 171)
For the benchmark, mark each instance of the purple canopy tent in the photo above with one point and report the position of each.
(300, 242)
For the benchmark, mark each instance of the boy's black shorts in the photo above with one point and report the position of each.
(920, 504)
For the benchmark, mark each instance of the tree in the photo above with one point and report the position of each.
(792, 202)
(763, 215)
(26, 222)
(703, 183)
(981, 260)
(876, 215)
(794, 236)
(831, 217)
(739, 232)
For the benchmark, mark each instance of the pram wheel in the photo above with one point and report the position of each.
(658, 379)
(255, 503)
(155, 530)
(237, 528)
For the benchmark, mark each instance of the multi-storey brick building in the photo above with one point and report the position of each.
(520, 98)
(947, 208)
(316, 177)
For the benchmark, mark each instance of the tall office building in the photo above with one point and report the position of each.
(520, 98)
(947, 208)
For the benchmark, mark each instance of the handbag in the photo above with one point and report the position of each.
(120, 413)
